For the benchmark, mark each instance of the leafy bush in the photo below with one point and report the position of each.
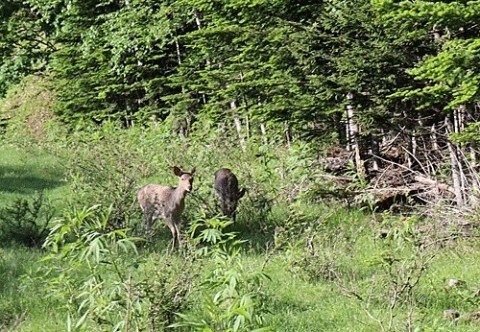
(166, 286)
(105, 168)
(26, 221)
(103, 282)
(230, 296)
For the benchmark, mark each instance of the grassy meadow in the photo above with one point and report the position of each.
(291, 262)
(25, 172)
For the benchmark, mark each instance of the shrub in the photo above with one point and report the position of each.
(230, 297)
(26, 221)
(103, 281)
(105, 168)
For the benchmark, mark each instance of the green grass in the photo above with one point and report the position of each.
(23, 305)
(25, 173)
(298, 305)
(311, 288)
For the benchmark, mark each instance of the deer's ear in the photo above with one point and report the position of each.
(192, 171)
(177, 171)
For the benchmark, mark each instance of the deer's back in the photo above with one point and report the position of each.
(226, 183)
(161, 199)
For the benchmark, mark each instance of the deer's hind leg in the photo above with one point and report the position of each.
(149, 214)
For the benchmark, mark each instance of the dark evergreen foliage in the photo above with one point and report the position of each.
(256, 61)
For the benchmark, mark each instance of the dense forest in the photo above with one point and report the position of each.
(353, 128)
(389, 81)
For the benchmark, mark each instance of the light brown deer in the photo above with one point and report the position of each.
(166, 202)
(226, 187)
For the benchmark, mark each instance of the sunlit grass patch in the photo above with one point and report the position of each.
(24, 173)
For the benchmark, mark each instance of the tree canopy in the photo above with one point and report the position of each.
(251, 60)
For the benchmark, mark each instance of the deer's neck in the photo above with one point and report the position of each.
(179, 194)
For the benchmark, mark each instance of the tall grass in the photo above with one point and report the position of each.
(26, 173)
(328, 267)
(23, 304)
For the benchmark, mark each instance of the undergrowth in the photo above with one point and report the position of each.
(291, 262)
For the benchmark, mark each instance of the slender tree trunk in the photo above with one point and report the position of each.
(287, 133)
(177, 51)
(246, 107)
(198, 22)
(455, 165)
(247, 125)
(263, 130)
(433, 138)
(337, 125)
(473, 154)
(413, 149)
(238, 125)
(459, 125)
(188, 117)
(351, 128)
(375, 151)
(353, 143)
(473, 150)
(360, 165)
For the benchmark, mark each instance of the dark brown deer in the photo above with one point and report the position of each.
(226, 187)
(166, 202)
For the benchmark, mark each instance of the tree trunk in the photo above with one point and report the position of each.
(238, 125)
(351, 128)
(263, 130)
(198, 22)
(413, 149)
(433, 138)
(288, 136)
(352, 132)
(374, 152)
(455, 165)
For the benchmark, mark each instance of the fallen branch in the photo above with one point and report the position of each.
(430, 182)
